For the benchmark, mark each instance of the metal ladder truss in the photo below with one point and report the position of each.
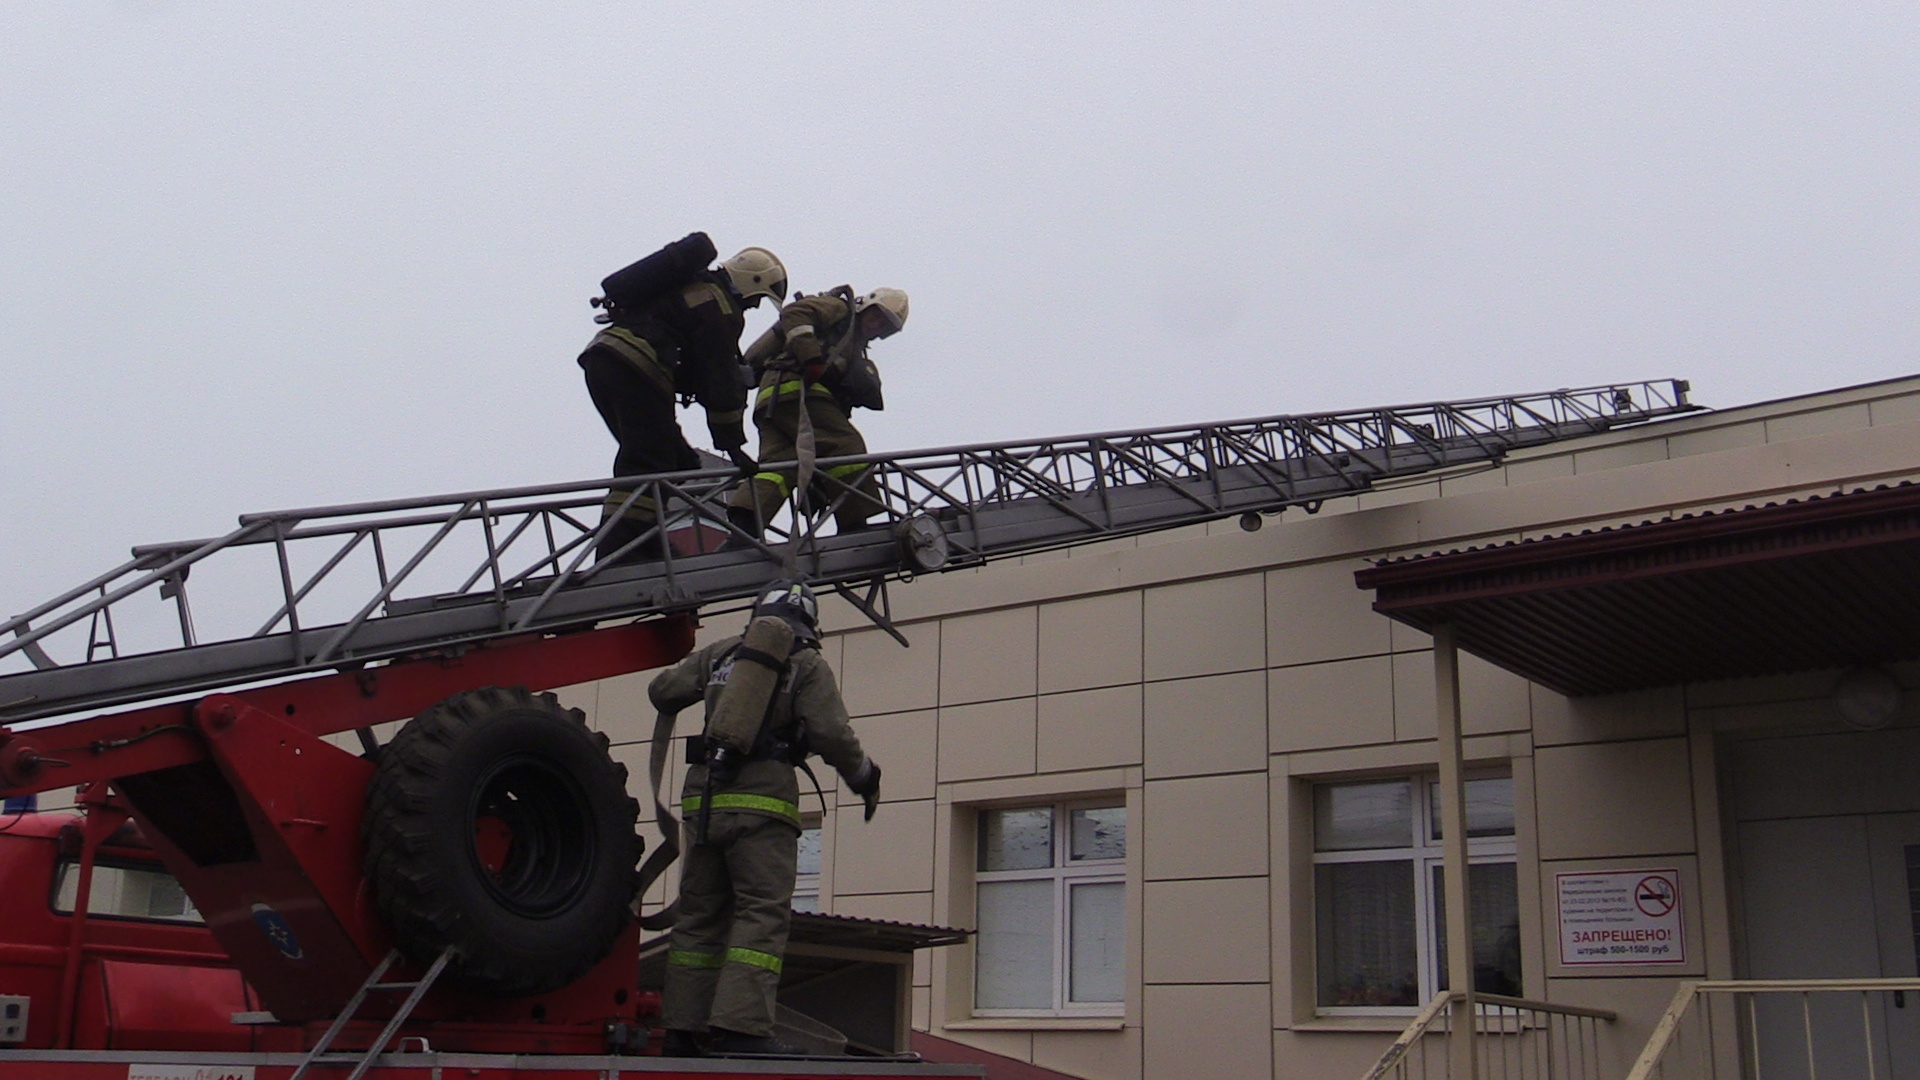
(361, 1063)
(337, 587)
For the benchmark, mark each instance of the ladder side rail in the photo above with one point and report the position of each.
(346, 632)
(20, 624)
(494, 558)
(159, 575)
(288, 609)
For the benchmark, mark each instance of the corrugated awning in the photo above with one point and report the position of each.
(1823, 582)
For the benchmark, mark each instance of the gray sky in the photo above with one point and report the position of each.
(260, 256)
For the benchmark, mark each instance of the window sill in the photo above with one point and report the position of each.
(1356, 1023)
(1040, 1023)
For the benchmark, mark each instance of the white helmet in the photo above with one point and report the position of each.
(891, 302)
(757, 272)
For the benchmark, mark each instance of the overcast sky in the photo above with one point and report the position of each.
(270, 255)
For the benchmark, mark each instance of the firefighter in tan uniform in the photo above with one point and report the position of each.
(686, 341)
(742, 826)
(816, 355)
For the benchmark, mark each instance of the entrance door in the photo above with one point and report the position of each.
(1829, 854)
(1893, 845)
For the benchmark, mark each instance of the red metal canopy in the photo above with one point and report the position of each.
(1829, 581)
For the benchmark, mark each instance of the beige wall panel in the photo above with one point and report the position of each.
(1641, 714)
(1620, 455)
(904, 745)
(1206, 931)
(1534, 470)
(1317, 706)
(1315, 613)
(1896, 410)
(1639, 1003)
(878, 676)
(1715, 439)
(1466, 483)
(893, 907)
(1602, 800)
(922, 1008)
(1013, 1044)
(994, 738)
(1171, 536)
(1805, 425)
(1332, 1055)
(1090, 642)
(1096, 1055)
(1213, 826)
(623, 711)
(1492, 699)
(893, 853)
(1205, 627)
(987, 657)
(1089, 729)
(1414, 714)
(1207, 1033)
(1391, 493)
(1214, 724)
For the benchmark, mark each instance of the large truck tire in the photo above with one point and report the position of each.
(499, 825)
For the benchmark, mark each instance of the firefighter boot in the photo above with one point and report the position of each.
(747, 520)
(679, 1043)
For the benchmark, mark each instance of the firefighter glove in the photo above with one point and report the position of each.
(865, 782)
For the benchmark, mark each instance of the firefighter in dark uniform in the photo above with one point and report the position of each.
(736, 888)
(687, 342)
(816, 356)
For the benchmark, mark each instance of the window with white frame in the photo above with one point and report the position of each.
(1379, 901)
(806, 882)
(1050, 905)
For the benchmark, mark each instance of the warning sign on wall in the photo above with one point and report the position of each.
(1621, 917)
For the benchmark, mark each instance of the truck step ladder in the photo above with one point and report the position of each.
(416, 990)
(339, 588)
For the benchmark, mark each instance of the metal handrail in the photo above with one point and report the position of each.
(983, 501)
(1693, 990)
(1438, 1009)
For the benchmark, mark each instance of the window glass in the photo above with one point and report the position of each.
(1366, 935)
(1494, 902)
(1019, 839)
(1489, 807)
(1014, 948)
(1097, 833)
(1099, 961)
(1353, 817)
(810, 851)
(129, 892)
(806, 882)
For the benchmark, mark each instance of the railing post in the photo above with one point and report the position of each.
(1453, 850)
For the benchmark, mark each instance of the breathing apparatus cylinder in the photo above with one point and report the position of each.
(672, 267)
(753, 677)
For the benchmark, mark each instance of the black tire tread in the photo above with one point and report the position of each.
(411, 897)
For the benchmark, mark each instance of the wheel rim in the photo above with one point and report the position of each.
(549, 861)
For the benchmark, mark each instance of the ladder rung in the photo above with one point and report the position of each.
(392, 986)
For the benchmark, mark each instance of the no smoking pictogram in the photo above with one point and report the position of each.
(1654, 896)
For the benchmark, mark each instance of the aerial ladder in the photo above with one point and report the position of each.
(303, 624)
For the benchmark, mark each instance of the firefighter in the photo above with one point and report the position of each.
(742, 825)
(817, 355)
(685, 341)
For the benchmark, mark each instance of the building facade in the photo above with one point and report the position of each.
(1185, 787)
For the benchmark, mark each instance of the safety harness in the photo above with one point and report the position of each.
(789, 745)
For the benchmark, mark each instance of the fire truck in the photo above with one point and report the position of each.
(333, 821)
